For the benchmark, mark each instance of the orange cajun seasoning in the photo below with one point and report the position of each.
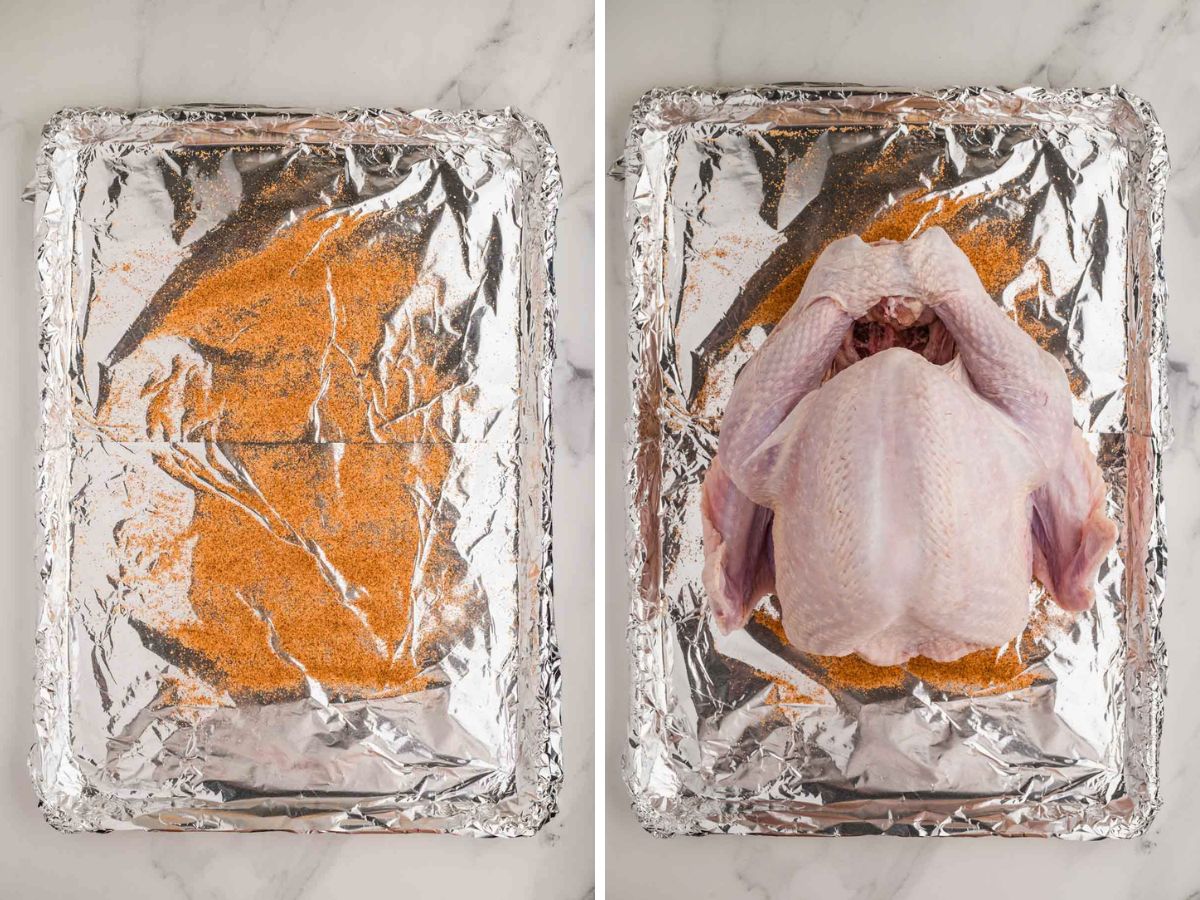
(994, 670)
(301, 559)
(311, 573)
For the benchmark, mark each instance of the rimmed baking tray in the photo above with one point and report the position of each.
(1057, 198)
(295, 471)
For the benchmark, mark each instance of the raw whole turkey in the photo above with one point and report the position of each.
(896, 461)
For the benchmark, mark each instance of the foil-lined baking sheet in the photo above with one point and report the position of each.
(295, 471)
(1057, 199)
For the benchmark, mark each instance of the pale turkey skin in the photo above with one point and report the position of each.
(895, 495)
(901, 506)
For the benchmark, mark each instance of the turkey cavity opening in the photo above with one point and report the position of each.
(895, 322)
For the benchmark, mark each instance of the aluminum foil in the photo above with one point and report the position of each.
(1058, 198)
(295, 471)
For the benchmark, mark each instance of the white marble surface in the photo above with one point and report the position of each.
(1150, 48)
(536, 55)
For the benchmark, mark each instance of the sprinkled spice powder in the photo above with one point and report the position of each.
(297, 343)
(995, 670)
(303, 542)
(782, 692)
(305, 569)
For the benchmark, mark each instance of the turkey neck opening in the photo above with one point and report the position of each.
(894, 322)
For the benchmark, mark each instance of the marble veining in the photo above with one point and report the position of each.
(1149, 48)
(535, 55)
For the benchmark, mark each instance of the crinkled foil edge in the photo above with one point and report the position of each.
(648, 759)
(69, 802)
